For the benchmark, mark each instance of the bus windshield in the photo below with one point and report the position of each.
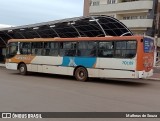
(12, 49)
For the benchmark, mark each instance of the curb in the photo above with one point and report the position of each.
(157, 66)
(2, 65)
(157, 79)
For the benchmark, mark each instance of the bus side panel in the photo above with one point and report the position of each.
(116, 74)
(47, 60)
(117, 63)
(92, 72)
(55, 70)
(116, 67)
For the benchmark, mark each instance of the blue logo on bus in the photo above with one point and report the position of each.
(87, 62)
(128, 63)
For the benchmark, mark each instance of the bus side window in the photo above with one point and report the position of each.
(106, 49)
(54, 47)
(131, 49)
(25, 48)
(121, 47)
(67, 48)
(125, 49)
(37, 48)
(61, 49)
(47, 48)
(87, 49)
(82, 46)
(92, 48)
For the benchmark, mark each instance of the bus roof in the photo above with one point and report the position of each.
(77, 39)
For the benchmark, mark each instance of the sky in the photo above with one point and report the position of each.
(24, 12)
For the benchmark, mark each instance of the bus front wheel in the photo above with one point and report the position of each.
(22, 69)
(81, 74)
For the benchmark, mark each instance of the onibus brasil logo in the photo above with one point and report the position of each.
(21, 115)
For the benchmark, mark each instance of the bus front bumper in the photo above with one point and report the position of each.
(12, 66)
(144, 74)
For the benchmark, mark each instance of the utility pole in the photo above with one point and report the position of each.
(156, 33)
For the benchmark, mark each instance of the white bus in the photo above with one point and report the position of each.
(100, 57)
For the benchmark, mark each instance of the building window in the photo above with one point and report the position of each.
(129, 0)
(111, 1)
(143, 17)
(112, 16)
(94, 3)
(134, 17)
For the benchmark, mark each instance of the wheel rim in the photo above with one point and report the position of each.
(22, 69)
(81, 74)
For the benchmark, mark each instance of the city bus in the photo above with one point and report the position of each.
(83, 57)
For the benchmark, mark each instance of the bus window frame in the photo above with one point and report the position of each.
(114, 49)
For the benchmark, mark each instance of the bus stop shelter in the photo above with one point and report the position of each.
(91, 26)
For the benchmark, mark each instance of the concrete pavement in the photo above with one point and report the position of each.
(2, 65)
(39, 92)
(156, 75)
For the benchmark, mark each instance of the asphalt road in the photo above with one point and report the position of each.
(52, 93)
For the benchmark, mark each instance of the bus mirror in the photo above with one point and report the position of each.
(141, 40)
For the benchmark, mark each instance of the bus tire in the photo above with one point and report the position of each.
(81, 74)
(22, 69)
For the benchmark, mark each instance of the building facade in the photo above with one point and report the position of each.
(138, 15)
(142, 17)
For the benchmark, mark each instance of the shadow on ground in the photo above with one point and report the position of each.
(120, 82)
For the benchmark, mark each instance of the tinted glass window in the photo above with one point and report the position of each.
(68, 48)
(117, 49)
(25, 48)
(125, 49)
(131, 49)
(87, 49)
(121, 45)
(50, 49)
(106, 49)
(37, 48)
(12, 49)
(131, 45)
